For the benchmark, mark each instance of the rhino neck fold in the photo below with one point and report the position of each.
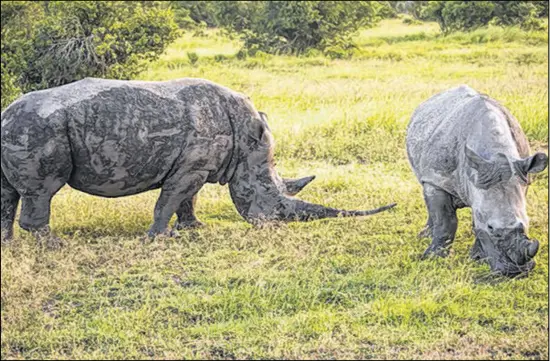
(231, 161)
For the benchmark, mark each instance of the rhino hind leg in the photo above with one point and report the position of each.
(186, 215)
(35, 218)
(180, 187)
(8, 207)
(442, 214)
(37, 173)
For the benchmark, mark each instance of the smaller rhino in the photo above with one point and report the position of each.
(467, 150)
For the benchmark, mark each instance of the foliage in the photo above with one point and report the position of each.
(416, 9)
(193, 57)
(19, 21)
(469, 15)
(387, 10)
(409, 20)
(542, 8)
(51, 43)
(292, 27)
(196, 12)
(9, 90)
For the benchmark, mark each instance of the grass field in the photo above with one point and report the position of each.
(341, 288)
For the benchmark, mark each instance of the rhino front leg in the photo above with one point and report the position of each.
(442, 214)
(477, 253)
(426, 232)
(8, 206)
(177, 189)
(186, 215)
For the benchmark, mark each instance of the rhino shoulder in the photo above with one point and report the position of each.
(518, 136)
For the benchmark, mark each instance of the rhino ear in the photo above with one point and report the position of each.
(489, 172)
(533, 164)
(475, 160)
(263, 116)
(257, 130)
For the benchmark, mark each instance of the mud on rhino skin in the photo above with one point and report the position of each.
(467, 150)
(114, 138)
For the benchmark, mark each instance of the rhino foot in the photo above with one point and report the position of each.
(437, 250)
(6, 236)
(168, 233)
(45, 238)
(181, 225)
(426, 232)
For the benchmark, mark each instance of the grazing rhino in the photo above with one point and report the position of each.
(116, 138)
(467, 150)
(186, 212)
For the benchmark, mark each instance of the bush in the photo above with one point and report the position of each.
(51, 43)
(292, 27)
(190, 13)
(9, 90)
(387, 10)
(410, 21)
(470, 15)
(193, 57)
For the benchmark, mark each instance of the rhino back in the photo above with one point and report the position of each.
(441, 127)
(127, 136)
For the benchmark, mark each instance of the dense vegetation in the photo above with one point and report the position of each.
(341, 288)
(50, 43)
(469, 15)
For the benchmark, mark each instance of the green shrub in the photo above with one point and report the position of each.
(51, 43)
(9, 90)
(410, 21)
(292, 27)
(192, 57)
(470, 15)
(191, 13)
(387, 10)
(220, 58)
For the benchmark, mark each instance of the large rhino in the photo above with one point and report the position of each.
(115, 138)
(467, 150)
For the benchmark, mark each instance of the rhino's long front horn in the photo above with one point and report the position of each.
(304, 211)
(533, 248)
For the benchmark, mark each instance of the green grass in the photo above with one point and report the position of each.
(341, 288)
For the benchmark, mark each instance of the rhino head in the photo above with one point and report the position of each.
(291, 186)
(257, 190)
(497, 188)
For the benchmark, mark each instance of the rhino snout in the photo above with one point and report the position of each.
(511, 255)
(513, 270)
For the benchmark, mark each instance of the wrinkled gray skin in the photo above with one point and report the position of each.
(467, 150)
(186, 212)
(116, 138)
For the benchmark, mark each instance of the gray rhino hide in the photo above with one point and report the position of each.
(115, 138)
(467, 150)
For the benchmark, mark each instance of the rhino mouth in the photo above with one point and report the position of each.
(516, 270)
(513, 260)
